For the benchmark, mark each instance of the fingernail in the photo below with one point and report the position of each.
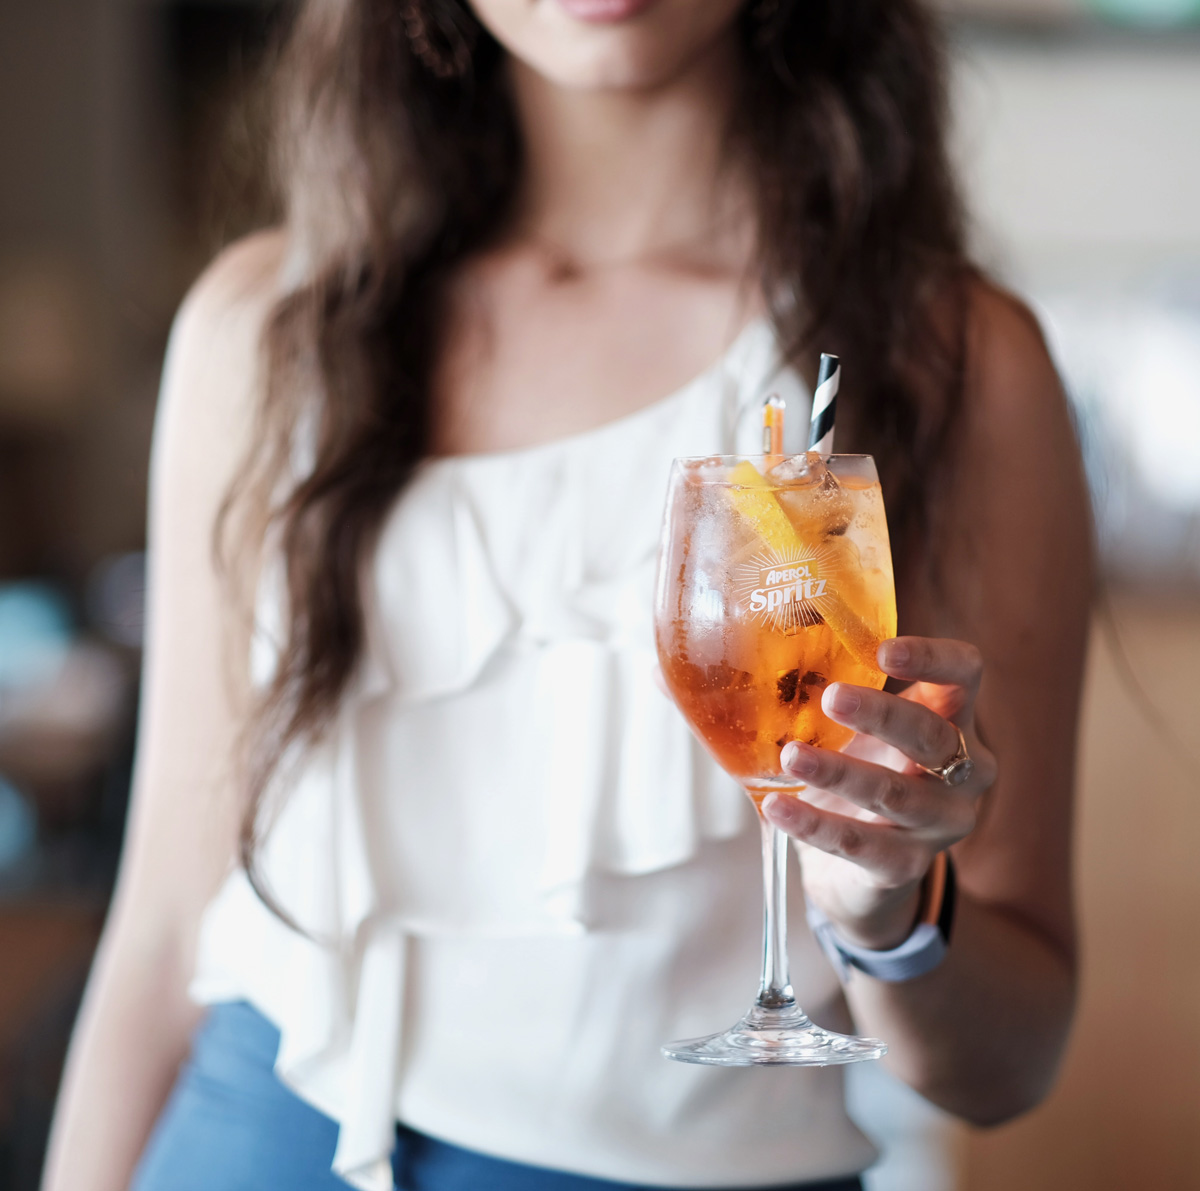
(788, 812)
(843, 700)
(799, 759)
(896, 654)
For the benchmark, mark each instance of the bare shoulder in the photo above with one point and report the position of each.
(240, 283)
(1016, 467)
(1020, 460)
(207, 412)
(1014, 394)
(212, 371)
(226, 309)
(1019, 470)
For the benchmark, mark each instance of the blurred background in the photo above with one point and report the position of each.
(129, 131)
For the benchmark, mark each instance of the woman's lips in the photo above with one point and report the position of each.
(604, 12)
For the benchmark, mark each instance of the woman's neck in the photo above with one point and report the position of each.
(616, 174)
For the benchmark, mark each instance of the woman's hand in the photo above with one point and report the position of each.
(872, 820)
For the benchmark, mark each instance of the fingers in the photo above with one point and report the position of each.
(893, 856)
(919, 733)
(932, 659)
(907, 800)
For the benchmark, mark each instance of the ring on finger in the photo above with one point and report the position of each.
(958, 768)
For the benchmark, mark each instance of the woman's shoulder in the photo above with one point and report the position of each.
(1010, 375)
(228, 304)
(209, 398)
(212, 370)
(1020, 476)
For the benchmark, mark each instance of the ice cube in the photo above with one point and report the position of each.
(838, 506)
(799, 469)
(819, 508)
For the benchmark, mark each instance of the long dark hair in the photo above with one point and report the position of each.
(399, 154)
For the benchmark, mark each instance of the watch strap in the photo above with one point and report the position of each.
(920, 953)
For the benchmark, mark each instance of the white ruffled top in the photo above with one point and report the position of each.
(520, 872)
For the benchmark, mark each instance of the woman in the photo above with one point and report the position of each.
(482, 872)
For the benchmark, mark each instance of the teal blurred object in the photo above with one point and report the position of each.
(35, 634)
(17, 827)
(1155, 14)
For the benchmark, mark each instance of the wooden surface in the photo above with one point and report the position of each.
(42, 950)
(1126, 1113)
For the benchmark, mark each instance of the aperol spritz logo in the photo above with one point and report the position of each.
(784, 591)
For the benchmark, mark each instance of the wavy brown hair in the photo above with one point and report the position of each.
(399, 154)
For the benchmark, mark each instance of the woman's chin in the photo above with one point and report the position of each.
(607, 68)
(606, 44)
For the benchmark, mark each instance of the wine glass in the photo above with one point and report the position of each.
(774, 580)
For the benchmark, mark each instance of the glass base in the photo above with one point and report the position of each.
(784, 1036)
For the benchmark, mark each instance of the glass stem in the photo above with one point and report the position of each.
(775, 992)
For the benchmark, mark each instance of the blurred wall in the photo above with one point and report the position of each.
(82, 281)
(1081, 151)
(110, 205)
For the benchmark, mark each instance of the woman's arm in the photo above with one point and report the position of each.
(982, 1034)
(133, 1028)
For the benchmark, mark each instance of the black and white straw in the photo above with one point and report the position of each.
(824, 406)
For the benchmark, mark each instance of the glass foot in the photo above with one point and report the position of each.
(785, 1036)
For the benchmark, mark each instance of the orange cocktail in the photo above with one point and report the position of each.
(774, 582)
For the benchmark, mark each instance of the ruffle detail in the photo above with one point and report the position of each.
(439, 614)
(628, 789)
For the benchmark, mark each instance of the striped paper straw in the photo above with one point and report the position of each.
(824, 406)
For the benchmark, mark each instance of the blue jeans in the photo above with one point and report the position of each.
(230, 1125)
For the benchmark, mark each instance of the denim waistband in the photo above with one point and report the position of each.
(230, 1125)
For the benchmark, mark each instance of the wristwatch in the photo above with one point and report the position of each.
(921, 952)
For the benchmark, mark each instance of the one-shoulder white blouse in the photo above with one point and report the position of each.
(518, 872)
